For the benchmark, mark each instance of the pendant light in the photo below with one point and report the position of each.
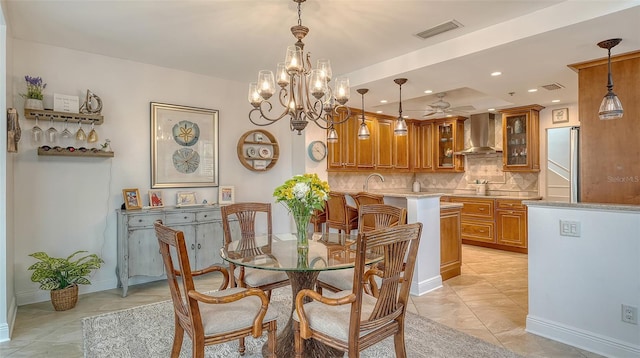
(611, 107)
(401, 126)
(363, 132)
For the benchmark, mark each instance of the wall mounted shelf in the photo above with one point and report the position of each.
(258, 150)
(64, 152)
(63, 116)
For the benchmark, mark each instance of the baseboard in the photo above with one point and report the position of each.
(37, 295)
(426, 286)
(7, 328)
(603, 345)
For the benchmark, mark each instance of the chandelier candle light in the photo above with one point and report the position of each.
(304, 91)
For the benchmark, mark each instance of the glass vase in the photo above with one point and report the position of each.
(302, 222)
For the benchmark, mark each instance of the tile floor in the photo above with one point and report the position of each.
(489, 301)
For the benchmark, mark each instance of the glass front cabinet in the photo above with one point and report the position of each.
(449, 139)
(521, 140)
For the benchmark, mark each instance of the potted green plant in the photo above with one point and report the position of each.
(61, 276)
(33, 97)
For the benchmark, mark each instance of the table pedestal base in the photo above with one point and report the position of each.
(286, 346)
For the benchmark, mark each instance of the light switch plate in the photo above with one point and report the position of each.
(569, 228)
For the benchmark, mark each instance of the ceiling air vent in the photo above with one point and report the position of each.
(436, 30)
(553, 87)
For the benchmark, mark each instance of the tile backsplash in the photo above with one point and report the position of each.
(487, 167)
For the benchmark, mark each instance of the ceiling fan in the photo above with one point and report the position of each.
(441, 106)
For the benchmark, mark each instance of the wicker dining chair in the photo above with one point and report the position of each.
(381, 216)
(365, 198)
(246, 214)
(217, 317)
(340, 216)
(351, 320)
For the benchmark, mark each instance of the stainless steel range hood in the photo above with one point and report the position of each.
(481, 132)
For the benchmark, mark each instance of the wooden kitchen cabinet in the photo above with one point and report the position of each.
(392, 149)
(449, 139)
(365, 148)
(421, 144)
(450, 241)
(511, 223)
(521, 139)
(137, 246)
(478, 220)
(495, 223)
(342, 153)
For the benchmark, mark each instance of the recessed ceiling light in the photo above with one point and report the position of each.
(491, 109)
(533, 90)
(428, 91)
(383, 101)
(555, 101)
(405, 116)
(449, 115)
(497, 73)
(378, 111)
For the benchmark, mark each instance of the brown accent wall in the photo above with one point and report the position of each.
(610, 150)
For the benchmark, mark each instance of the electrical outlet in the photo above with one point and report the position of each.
(569, 228)
(629, 314)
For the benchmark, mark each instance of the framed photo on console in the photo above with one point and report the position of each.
(226, 195)
(186, 198)
(132, 199)
(184, 146)
(155, 199)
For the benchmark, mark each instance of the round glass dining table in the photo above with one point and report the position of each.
(280, 252)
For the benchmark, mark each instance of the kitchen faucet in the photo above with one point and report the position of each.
(366, 181)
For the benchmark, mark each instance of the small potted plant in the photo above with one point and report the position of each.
(33, 97)
(61, 276)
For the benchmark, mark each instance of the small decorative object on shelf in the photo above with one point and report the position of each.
(33, 97)
(92, 104)
(303, 194)
(106, 147)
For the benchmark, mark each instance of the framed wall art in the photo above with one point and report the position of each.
(184, 146)
(186, 198)
(226, 195)
(155, 199)
(132, 199)
(560, 115)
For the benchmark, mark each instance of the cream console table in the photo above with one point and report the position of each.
(138, 250)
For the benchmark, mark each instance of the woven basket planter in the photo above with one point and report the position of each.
(64, 299)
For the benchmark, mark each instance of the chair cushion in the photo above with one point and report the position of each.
(334, 320)
(342, 279)
(225, 317)
(257, 277)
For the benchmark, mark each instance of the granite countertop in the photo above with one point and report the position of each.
(408, 193)
(587, 206)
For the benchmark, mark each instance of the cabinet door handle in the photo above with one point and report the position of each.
(185, 217)
(199, 247)
(139, 220)
(193, 246)
(206, 216)
(480, 209)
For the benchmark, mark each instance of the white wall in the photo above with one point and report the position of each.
(65, 204)
(578, 284)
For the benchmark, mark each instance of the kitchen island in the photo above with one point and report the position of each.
(421, 207)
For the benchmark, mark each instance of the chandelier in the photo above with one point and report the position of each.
(304, 93)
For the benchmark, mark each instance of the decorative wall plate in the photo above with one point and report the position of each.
(265, 152)
(252, 152)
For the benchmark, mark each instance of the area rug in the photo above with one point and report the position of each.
(147, 332)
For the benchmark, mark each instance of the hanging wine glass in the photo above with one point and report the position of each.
(93, 135)
(66, 136)
(81, 136)
(36, 133)
(52, 132)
